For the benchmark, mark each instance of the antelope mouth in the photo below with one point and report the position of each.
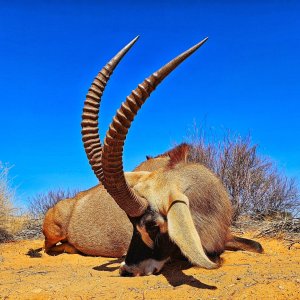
(145, 268)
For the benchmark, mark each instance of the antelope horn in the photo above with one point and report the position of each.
(114, 180)
(89, 123)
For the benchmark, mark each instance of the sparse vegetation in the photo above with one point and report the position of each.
(5, 204)
(256, 188)
(15, 225)
(259, 192)
(10, 219)
(39, 204)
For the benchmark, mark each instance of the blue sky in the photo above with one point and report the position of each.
(246, 78)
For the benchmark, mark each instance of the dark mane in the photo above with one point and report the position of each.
(177, 154)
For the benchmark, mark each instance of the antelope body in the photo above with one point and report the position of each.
(87, 224)
(91, 222)
(177, 207)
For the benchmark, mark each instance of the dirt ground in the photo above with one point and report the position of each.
(243, 275)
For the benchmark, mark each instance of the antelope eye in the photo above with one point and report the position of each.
(152, 227)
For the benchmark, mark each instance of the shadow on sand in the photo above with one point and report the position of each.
(107, 266)
(172, 271)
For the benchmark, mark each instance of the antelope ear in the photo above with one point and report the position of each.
(182, 231)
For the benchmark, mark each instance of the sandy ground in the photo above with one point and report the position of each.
(243, 275)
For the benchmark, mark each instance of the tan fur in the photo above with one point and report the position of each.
(152, 164)
(93, 223)
(64, 247)
(145, 236)
(199, 189)
(182, 231)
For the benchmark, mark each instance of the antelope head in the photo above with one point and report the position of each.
(161, 218)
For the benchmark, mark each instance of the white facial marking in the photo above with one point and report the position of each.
(147, 267)
(163, 225)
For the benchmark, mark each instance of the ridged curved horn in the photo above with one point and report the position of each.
(89, 123)
(114, 180)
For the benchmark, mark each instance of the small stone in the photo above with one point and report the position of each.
(281, 287)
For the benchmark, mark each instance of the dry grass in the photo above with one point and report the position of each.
(11, 219)
(17, 225)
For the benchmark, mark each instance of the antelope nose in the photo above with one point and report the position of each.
(125, 273)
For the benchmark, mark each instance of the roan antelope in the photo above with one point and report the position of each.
(92, 222)
(175, 208)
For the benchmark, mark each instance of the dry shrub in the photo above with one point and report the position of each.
(6, 194)
(11, 220)
(255, 186)
(6, 207)
(39, 204)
